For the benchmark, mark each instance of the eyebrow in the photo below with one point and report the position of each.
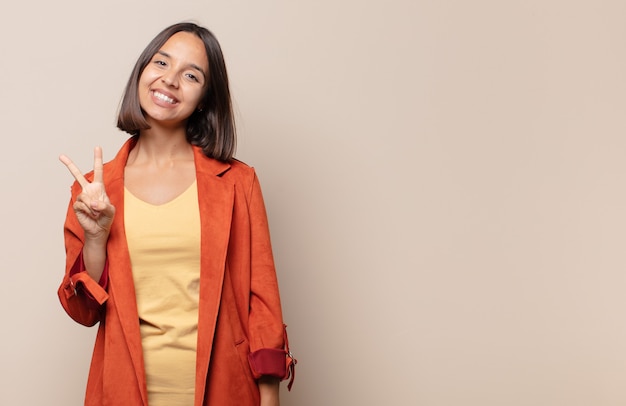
(192, 65)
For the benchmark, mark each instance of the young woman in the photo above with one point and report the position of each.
(168, 246)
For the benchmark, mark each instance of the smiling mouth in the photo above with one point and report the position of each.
(163, 97)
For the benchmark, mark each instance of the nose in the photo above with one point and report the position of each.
(169, 78)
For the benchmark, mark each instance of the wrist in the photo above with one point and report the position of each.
(96, 241)
(269, 390)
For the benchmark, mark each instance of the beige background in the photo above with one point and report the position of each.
(444, 180)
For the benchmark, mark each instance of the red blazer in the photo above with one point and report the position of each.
(239, 310)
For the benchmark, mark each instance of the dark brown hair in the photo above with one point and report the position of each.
(213, 126)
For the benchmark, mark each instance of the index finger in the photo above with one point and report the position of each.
(74, 170)
(97, 164)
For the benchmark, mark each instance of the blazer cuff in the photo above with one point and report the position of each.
(278, 363)
(268, 362)
(80, 281)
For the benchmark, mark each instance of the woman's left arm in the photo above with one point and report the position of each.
(266, 329)
(267, 332)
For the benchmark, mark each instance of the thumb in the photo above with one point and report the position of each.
(104, 208)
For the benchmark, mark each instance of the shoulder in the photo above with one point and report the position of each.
(238, 165)
(233, 171)
(241, 174)
(239, 170)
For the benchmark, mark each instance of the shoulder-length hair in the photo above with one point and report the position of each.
(211, 127)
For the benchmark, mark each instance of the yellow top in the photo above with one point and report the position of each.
(164, 246)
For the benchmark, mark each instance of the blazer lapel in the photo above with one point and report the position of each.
(216, 200)
(121, 284)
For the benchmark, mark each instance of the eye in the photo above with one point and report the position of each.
(193, 77)
(159, 62)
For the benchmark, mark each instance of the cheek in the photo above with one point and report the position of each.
(200, 95)
(147, 77)
(192, 96)
(143, 87)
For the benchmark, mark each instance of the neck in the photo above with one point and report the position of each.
(161, 147)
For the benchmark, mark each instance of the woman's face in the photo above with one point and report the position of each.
(174, 81)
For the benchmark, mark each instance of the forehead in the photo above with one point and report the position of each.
(186, 47)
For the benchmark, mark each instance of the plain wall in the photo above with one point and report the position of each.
(444, 182)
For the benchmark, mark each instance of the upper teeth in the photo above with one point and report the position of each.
(163, 97)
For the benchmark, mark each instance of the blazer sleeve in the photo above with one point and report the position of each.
(266, 328)
(80, 295)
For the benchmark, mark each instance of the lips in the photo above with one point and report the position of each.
(164, 97)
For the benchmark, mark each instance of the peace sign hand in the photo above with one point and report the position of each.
(93, 209)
